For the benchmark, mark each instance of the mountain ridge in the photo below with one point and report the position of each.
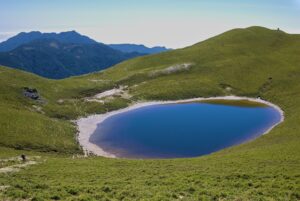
(28, 51)
(54, 59)
(76, 38)
(129, 48)
(26, 37)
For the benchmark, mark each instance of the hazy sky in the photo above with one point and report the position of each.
(173, 23)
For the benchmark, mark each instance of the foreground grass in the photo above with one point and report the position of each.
(232, 175)
(250, 62)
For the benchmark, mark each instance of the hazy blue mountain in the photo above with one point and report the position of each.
(53, 58)
(138, 48)
(64, 37)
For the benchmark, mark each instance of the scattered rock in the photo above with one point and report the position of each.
(31, 93)
(2, 188)
(60, 101)
(228, 89)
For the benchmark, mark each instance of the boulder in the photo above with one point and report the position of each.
(31, 93)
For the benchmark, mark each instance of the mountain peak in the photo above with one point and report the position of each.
(52, 56)
(31, 32)
(73, 32)
(27, 37)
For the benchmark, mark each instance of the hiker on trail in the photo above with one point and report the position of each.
(23, 157)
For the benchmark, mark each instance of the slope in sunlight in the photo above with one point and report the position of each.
(247, 62)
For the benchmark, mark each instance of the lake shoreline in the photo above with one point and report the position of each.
(88, 125)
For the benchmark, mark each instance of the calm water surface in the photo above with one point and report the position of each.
(181, 130)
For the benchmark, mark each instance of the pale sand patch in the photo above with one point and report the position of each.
(16, 168)
(109, 94)
(2, 188)
(98, 80)
(105, 94)
(171, 69)
(88, 125)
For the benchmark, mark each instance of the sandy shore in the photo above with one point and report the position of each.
(87, 126)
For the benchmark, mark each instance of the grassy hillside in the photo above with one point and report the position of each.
(44, 125)
(247, 62)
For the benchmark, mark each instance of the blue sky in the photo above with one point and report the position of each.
(173, 23)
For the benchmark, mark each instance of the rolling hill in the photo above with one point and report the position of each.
(253, 62)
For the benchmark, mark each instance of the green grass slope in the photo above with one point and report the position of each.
(247, 62)
(44, 125)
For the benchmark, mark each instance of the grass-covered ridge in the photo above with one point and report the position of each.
(245, 62)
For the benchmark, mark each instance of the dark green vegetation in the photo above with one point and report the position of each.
(246, 62)
(242, 103)
(60, 55)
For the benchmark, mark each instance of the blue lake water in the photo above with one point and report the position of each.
(182, 130)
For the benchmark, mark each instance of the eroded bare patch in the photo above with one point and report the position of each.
(171, 69)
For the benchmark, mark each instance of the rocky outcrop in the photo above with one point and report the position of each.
(31, 93)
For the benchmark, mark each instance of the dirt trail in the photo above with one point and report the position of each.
(19, 166)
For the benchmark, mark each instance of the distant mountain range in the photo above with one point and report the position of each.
(64, 37)
(138, 48)
(53, 59)
(65, 54)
